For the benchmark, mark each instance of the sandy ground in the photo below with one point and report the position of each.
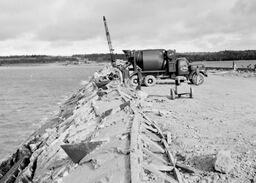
(221, 116)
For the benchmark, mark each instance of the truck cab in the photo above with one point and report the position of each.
(179, 66)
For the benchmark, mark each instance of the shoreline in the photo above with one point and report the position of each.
(28, 94)
(49, 64)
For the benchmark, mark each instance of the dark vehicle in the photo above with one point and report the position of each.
(162, 64)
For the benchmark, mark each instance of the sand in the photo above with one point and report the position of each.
(221, 116)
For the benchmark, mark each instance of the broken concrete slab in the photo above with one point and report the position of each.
(77, 151)
(223, 162)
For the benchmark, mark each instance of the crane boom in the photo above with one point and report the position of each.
(111, 50)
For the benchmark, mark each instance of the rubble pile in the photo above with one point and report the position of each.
(99, 135)
(103, 133)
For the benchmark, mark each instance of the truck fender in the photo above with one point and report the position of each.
(133, 73)
(191, 74)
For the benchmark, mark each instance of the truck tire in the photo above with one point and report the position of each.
(150, 80)
(134, 80)
(198, 79)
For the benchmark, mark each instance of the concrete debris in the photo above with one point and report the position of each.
(223, 162)
(169, 137)
(33, 147)
(103, 134)
(77, 151)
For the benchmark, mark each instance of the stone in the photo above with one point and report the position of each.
(169, 137)
(223, 162)
(45, 135)
(33, 147)
(78, 151)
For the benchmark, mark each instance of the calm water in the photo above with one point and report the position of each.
(30, 94)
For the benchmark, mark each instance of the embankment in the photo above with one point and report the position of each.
(108, 132)
(99, 135)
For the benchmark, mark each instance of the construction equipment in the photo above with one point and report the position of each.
(111, 50)
(181, 88)
(163, 64)
(148, 65)
(124, 67)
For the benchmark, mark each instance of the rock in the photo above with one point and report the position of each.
(223, 162)
(65, 173)
(168, 137)
(45, 135)
(33, 147)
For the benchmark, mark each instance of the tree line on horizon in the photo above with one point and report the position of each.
(33, 59)
(226, 55)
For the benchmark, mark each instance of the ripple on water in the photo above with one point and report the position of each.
(25, 100)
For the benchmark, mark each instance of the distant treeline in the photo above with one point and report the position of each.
(220, 56)
(33, 59)
(103, 57)
(193, 56)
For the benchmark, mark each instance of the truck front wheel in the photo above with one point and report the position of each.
(150, 80)
(197, 79)
(134, 80)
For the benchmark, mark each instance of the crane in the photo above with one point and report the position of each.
(111, 50)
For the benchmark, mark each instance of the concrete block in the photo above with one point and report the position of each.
(223, 162)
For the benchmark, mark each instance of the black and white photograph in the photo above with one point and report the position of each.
(127, 91)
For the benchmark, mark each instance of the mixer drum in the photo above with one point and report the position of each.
(150, 60)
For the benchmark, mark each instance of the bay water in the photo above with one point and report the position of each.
(31, 94)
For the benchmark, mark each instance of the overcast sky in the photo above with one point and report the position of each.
(66, 27)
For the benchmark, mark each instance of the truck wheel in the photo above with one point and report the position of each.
(198, 79)
(134, 80)
(150, 80)
(191, 93)
(172, 93)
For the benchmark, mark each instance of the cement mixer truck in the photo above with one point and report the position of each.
(162, 64)
(149, 65)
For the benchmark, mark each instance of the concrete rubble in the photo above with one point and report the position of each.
(223, 162)
(109, 132)
(99, 135)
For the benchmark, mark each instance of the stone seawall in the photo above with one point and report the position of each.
(100, 134)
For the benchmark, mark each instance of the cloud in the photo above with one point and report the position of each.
(66, 26)
(18, 18)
